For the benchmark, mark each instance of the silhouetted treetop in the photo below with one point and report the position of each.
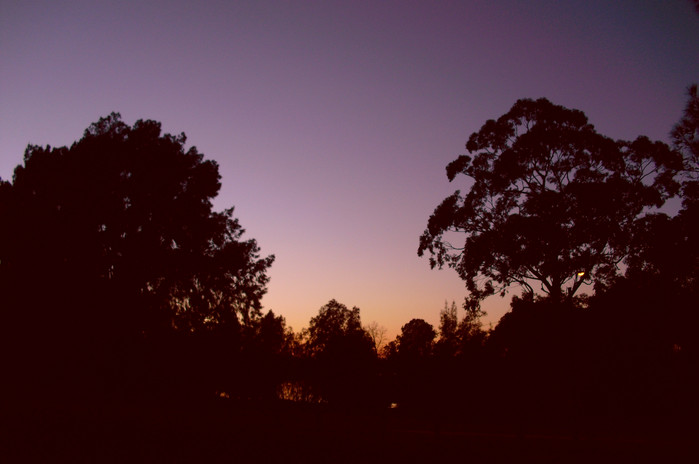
(125, 214)
(416, 339)
(337, 331)
(551, 201)
(270, 334)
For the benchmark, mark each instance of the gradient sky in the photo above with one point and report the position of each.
(332, 122)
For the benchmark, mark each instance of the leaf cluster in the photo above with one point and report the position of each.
(336, 333)
(550, 198)
(125, 215)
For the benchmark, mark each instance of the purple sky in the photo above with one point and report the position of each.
(333, 122)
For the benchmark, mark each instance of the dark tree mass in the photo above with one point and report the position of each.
(128, 303)
(554, 204)
(342, 354)
(113, 242)
(552, 201)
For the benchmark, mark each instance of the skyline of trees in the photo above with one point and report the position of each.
(684, 141)
(120, 281)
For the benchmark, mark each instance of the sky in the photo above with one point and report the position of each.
(332, 122)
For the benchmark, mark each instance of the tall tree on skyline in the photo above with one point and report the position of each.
(129, 209)
(115, 238)
(552, 201)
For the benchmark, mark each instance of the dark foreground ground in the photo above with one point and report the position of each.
(227, 431)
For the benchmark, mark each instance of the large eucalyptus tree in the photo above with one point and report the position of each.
(551, 203)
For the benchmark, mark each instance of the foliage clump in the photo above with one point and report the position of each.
(551, 202)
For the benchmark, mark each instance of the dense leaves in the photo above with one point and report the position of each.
(552, 201)
(342, 355)
(114, 239)
(416, 339)
(337, 331)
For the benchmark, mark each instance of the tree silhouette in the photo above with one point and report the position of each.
(416, 339)
(342, 352)
(470, 334)
(448, 343)
(459, 338)
(552, 201)
(411, 357)
(265, 358)
(114, 238)
(336, 331)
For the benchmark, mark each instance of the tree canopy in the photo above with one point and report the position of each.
(551, 201)
(342, 355)
(416, 339)
(336, 332)
(116, 237)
